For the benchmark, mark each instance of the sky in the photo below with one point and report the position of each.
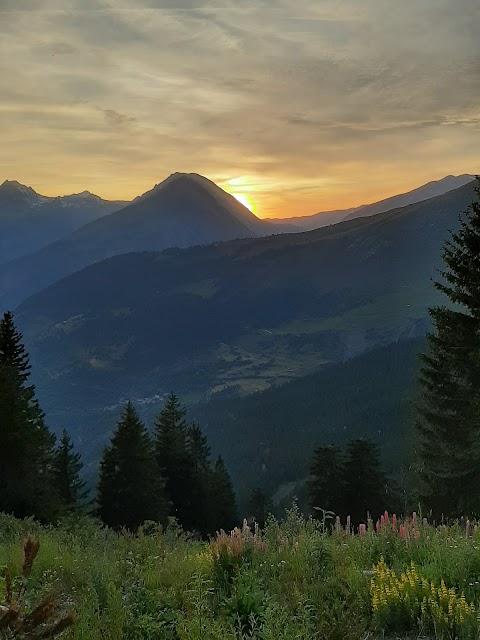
(294, 106)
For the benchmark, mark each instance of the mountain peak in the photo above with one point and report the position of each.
(16, 190)
(14, 185)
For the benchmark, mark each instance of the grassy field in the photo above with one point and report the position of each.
(293, 581)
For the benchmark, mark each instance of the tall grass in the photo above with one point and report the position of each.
(296, 580)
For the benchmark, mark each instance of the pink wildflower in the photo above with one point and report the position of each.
(338, 524)
(394, 523)
(377, 526)
(468, 529)
(386, 517)
(362, 529)
(414, 519)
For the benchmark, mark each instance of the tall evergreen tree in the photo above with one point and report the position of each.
(365, 482)
(174, 459)
(130, 488)
(449, 411)
(26, 445)
(71, 489)
(326, 485)
(224, 503)
(259, 506)
(201, 476)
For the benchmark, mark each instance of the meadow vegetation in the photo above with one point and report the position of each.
(295, 579)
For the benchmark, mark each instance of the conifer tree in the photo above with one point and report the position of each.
(130, 488)
(365, 482)
(174, 459)
(449, 411)
(201, 475)
(224, 503)
(258, 506)
(326, 485)
(26, 445)
(71, 489)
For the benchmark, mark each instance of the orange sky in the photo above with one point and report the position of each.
(298, 105)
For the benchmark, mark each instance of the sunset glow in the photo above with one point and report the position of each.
(295, 107)
(246, 200)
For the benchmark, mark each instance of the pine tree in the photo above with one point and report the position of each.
(130, 489)
(326, 486)
(201, 475)
(26, 445)
(365, 482)
(71, 489)
(449, 411)
(258, 506)
(174, 459)
(223, 497)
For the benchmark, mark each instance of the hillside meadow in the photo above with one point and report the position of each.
(295, 580)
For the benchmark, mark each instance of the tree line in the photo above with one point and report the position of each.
(169, 473)
(142, 476)
(351, 482)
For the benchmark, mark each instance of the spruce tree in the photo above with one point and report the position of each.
(26, 445)
(201, 475)
(223, 498)
(130, 487)
(258, 506)
(365, 482)
(449, 410)
(174, 459)
(71, 489)
(326, 485)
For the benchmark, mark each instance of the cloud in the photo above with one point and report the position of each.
(287, 92)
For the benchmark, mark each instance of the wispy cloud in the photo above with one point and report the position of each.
(360, 97)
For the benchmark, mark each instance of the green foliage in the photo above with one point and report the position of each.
(353, 483)
(365, 483)
(174, 459)
(130, 487)
(26, 445)
(449, 411)
(67, 467)
(326, 485)
(292, 581)
(259, 506)
(223, 503)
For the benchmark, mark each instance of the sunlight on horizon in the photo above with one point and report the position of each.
(246, 200)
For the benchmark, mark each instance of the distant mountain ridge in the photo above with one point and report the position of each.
(426, 191)
(182, 211)
(30, 221)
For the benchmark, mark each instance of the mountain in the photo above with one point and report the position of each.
(317, 220)
(184, 210)
(29, 221)
(429, 190)
(234, 317)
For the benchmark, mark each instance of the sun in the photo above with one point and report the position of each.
(246, 200)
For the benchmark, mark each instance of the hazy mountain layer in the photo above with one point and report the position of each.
(429, 190)
(184, 210)
(29, 221)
